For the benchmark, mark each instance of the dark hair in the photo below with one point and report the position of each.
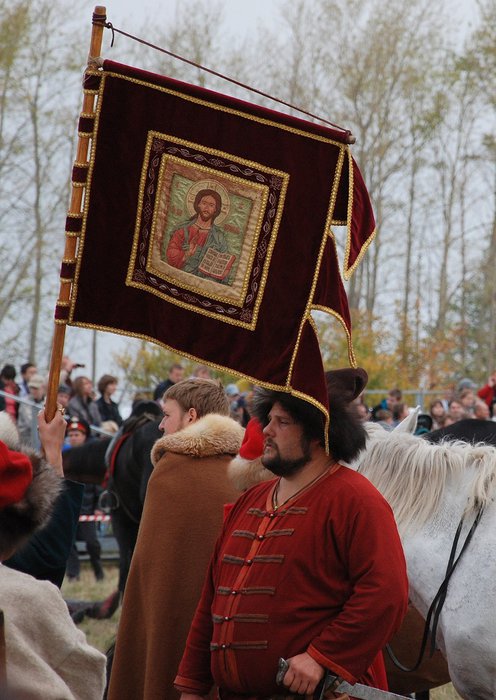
(8, 372)
(347, 435)
(306, 414)
(209, 193)
(398, 410)
(104, 381)
(26, 366)
(395, 393)
(77, 385)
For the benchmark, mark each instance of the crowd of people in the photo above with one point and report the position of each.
(255, 542)
(464, 401)
(25, 395)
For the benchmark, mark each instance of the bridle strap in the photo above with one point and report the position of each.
(436, 606)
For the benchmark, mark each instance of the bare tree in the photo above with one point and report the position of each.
(37, 133)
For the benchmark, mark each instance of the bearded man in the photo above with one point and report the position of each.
(309, 566)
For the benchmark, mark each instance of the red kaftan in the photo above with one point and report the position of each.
(325, 574)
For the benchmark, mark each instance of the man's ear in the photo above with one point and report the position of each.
(192, 415)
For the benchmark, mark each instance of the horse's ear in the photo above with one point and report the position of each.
(408, 424)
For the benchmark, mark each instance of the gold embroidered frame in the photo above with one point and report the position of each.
(253, 199)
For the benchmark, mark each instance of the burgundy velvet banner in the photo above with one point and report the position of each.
(207, 228)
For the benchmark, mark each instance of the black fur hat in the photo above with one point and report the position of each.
(347, 435)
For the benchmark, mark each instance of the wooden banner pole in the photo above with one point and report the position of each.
(71, 242)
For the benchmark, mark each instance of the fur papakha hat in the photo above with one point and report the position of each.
(346, 435)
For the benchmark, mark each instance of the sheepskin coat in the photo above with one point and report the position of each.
(182, 517)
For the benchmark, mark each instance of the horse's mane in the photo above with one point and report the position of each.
(411, 473)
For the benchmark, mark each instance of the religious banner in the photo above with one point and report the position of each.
(206, 228)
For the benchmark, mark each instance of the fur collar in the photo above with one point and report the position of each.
(209, 436)
(244, 473)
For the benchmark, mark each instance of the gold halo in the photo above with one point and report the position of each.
(209, 185)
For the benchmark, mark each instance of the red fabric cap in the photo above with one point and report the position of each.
(16, 473)
(76, 424)
(252, 445)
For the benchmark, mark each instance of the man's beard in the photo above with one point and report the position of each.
(287, 467)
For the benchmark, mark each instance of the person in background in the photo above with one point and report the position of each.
(481, 411)
(385, 418)
(232, 392)
(488, 392)
(239, 411)
(78, 432)
(82, 404)
(424, 424)
(9, 386)
(63, 398)
(456, 411)
(438, 413)
(26, 420)
(202, 372)
(67, 367)
(393, 397)
(108, 409)
(176, 374)
(400, 412)
(447, 420)
(46, 656)
(467, 399)
(363, 411)
(27, 371)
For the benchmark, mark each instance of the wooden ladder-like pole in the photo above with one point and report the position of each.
(71, 242)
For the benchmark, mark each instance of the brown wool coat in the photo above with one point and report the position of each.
(181, 520)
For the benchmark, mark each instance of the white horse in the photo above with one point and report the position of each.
(430, 488)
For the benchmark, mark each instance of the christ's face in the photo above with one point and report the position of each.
(206, 208)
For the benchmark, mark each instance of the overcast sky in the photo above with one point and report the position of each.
(241, 16)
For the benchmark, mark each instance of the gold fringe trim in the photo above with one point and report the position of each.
(348, 271)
